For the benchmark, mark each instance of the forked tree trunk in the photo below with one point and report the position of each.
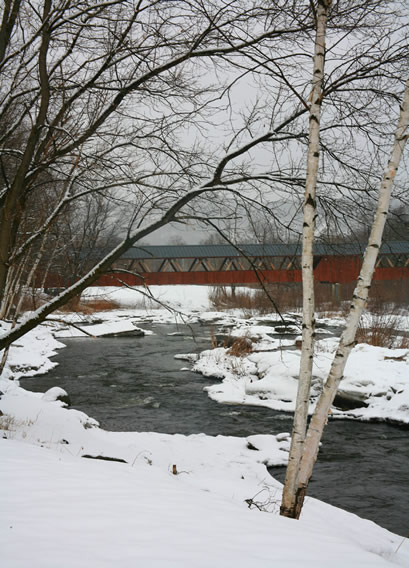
(308, 324)
(347, 341)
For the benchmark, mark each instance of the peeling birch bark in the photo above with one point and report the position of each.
(347, 341)
(308, 325)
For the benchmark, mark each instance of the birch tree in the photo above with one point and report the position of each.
(359, 299)
(304, 446)
(307, 264)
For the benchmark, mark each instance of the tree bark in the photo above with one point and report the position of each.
(307, 261)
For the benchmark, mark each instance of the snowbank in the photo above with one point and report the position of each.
(376, 379)
(61, 510)
(30, 354)
(109, 328)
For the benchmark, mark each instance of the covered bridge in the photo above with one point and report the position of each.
(248, 263)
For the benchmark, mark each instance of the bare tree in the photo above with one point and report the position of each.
(102, 96)
(67, 72)
(85, 234)
(123, 100)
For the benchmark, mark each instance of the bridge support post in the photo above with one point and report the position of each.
(336, 292)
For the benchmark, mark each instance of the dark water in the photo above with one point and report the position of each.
(136, 384)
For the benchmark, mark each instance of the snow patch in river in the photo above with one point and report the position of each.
(376, 379)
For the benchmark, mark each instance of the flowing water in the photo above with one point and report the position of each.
(135, 383)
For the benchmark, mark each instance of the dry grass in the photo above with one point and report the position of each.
(236, 346)
(33, 300)
(330, 299)
(253, 301)
(101, 305)
(380, 327)
(9, 423)
(224, 298)
(287, 297)
(241, 347)
(90, 306)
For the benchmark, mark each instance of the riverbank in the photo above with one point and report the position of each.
(254, 358)
(79, 495)
(167, 500)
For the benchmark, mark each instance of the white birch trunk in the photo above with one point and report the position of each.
(308, 325)
(359, 300)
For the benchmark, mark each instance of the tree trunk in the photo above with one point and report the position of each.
(347, 341)
(308, 324)
(13, 206)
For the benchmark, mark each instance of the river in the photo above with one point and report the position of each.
(135, 383)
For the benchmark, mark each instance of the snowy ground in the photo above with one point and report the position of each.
(61, 510)
(186, 501)
(183, 298)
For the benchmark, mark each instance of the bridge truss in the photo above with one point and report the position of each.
(248, 264)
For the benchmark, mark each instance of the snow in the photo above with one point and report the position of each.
(376, 379)
(54, 393)
(109, 328)
(176, 500)
(185, 298)
(30, 354)
(61, 510)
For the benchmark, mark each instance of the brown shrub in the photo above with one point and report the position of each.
(240, 347)
(252, 301)
(89, 306)
(102, 305)
(32, 301)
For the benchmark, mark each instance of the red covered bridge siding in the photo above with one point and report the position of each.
(225, 264)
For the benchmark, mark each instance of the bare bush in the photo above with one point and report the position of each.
(255, 301)
(330, 298)
(381, 327)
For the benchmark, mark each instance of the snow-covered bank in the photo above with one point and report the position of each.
(29, 355)
(194, 501)
(61, 510)
(376, 379)
(172, 500)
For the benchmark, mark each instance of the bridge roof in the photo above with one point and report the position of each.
(256, 250)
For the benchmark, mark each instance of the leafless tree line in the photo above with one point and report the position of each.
(140, 107)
